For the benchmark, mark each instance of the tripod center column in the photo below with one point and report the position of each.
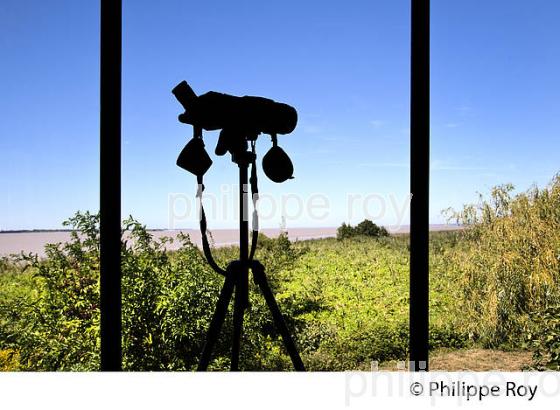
(243, 280)
(243, 211)
(242, 276)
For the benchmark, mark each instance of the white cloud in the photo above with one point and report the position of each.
(384, 165)
(377, 123)
(438, 165)
(464, 109)
(452, 124)
(311, 129)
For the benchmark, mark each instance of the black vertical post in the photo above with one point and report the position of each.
(110, 184)
(419, 183)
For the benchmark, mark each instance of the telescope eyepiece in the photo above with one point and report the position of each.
(184, 94)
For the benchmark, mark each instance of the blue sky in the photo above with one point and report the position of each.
(344, 66)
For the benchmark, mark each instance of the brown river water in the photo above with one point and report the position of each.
(15, 242)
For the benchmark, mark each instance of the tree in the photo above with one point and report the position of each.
(364, 228)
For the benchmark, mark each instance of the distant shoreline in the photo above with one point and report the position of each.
(391, 228)
(66, 230)
(34, 241)
(34, 230)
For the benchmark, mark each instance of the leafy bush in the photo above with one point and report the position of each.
(9, 360)
(168, 300)
(5, 264)
(546, 342)
(364, 228)
(507, 265)
(345, 231)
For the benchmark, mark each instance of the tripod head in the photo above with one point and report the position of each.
(241, 120)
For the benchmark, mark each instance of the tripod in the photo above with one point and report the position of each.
(237, 279)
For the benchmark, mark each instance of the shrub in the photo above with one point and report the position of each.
(9, 360)
(364, 228)
(508, 265)
(4, 264)
(546, 341)
(167, 302)
(345, 231)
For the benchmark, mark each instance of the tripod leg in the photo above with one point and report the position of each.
(238, 312)
(260, 280)
(240, 304)
(217, 321)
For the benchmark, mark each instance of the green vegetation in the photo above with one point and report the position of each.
(508, 269)
(494, 284)
(364, 228)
